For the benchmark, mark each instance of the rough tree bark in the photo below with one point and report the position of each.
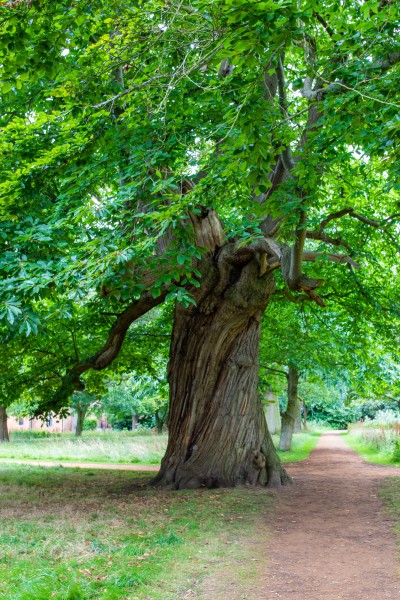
(218, 434)
(292, 412)
(4, 437)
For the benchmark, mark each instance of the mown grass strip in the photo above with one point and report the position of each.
(103, 447)
(302, 445)
(389, 491)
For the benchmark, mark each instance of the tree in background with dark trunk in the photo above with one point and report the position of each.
(4, 437)
(292, 414)
(82, 403)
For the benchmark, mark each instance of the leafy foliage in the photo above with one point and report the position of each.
(144, 398)
(120, 123)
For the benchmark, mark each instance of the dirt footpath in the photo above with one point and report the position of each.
(331, 538)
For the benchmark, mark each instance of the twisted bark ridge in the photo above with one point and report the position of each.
(217, 430)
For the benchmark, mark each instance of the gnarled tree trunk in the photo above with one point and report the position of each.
(217, 429)
(4, 437)
(292, 412)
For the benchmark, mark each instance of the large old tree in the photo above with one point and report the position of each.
(159, 150)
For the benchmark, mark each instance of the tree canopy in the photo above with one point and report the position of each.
(158, 151)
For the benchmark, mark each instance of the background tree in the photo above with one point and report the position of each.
(82, 403)
(348, 349)
(139, 398)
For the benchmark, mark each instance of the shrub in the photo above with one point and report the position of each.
(335, 415)
(90, 424)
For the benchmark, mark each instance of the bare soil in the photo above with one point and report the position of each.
(331, 538)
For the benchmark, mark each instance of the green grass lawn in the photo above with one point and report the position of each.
(373, 450)
(381, 454)
(118, 447)
(389, 491)
(73, 534)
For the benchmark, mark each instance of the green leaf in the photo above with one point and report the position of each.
(6, 87)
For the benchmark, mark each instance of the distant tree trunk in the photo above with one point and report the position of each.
(134, 422)
(160, 421)
(305, 414)
(292, 412)
(273, 414)
(218, 434)
(297, 418)
(81, 414)
(4, 437)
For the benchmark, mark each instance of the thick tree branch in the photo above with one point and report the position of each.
(324, 24)
(296, 256)
(275, 370)
(292, 262)
(309, 256)
(351, 213)
(105, 356)
(336, 215)
(322, 237)
(286, 155)
(314, 94)
(295, 299)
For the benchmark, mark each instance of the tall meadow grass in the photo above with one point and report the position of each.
(108, 446)
(378, 438)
